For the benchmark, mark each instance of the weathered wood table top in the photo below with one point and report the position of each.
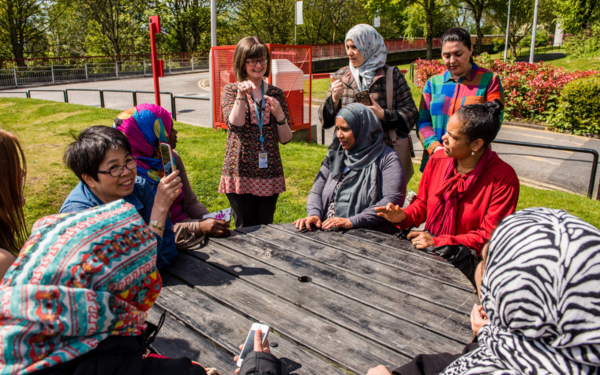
(335, 301)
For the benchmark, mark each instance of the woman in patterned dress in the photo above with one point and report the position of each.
(252, 174)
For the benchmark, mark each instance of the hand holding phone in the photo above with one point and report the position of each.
(363, 97)
(167, 158)
(255, 341)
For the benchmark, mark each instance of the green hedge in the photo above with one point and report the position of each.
(578, 111)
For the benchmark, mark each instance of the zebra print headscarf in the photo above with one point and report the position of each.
(541, 293)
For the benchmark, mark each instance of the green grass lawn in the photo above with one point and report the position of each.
(45, 128)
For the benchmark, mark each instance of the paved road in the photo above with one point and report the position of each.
(541, 167)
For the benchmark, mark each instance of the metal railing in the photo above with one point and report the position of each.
(134, 96)
(21, 76)
(564, 148)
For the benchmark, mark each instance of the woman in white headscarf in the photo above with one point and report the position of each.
(366, 73)
(540, 301)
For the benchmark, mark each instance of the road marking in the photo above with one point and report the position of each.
(528, 135)
(542, 160)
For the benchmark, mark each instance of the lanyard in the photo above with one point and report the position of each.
(260, 116)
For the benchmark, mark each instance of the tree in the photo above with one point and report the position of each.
(576, 15)
(114, 25)
(477, 9)
(22, 23)
(270, 20)
(521, 18)
(421, 17)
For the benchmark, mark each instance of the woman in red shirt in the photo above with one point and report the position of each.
(465, 192)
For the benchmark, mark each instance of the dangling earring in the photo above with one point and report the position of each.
(473, 152)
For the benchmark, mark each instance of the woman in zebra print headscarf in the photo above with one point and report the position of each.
(540, 292)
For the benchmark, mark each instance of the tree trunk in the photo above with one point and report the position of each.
(429, 8)
(479, 43)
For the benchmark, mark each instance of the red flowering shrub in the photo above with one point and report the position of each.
(531, 90)
(425, 69)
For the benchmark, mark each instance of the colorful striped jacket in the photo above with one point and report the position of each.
(443, 95)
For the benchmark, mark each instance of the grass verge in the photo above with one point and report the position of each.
(45, 129)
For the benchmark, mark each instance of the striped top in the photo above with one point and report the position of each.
(443, 96)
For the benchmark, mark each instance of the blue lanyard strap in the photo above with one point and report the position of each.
(260, 116)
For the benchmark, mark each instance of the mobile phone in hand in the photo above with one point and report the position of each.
(249, 344)
(167, 158)
(363, 97)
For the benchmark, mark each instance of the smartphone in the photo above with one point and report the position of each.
(364, 98)
(249, 344)
(167, 158)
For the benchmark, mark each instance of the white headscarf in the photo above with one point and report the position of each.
(541, 293)
(372, 48)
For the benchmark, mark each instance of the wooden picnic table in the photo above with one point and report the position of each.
(335, 301)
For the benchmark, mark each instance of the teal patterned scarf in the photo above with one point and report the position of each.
(80, 278)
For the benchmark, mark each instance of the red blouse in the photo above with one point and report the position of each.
(494, 197)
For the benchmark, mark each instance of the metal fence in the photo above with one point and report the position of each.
(101, 96)
(27, 76)
(593, 152)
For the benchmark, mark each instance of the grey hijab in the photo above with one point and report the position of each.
(360, 189)
(371, 46)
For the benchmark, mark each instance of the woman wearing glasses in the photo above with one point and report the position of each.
(101, 158)
(257, 120)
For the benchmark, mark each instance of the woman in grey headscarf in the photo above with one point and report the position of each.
(367, 72)
(359, 173)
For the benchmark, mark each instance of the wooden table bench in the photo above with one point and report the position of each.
(335, 301)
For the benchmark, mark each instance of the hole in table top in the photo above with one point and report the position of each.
(304, 279)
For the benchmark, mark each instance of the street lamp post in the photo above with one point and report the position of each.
(507, 30)
(532, 50)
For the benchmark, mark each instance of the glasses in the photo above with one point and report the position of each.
(118, 170)
(252, 63)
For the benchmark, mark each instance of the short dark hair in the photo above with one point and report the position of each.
(481, 121)
(251, 47)
(457, 34)
(85, 155)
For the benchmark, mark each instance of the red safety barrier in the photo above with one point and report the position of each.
(289, 66)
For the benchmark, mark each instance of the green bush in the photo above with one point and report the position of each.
(578, 111)
(541, 39)
(585, 43)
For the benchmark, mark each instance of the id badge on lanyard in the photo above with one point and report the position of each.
(263, 158)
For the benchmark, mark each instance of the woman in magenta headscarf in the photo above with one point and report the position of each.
(145, 126)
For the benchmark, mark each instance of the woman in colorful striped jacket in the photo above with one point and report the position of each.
(463, 83)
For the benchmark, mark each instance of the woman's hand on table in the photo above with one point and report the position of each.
(259, 346)
(167, 190)
(478, 318)
(421, 240)
(275, 108)
(377, 110)
(214, 228)
(245, 88)
(391, 212)
(307, 221)
(337, 222)
(379, 370)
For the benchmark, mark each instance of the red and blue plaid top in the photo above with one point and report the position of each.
(443, 95)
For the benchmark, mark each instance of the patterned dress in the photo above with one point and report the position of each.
(241, 174)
